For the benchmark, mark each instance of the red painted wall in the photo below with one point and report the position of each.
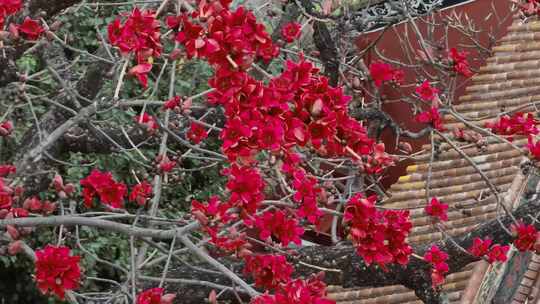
(492, 17)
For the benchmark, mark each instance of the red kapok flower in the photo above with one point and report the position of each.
(148, 121)
(291, 31)
(30, 28)
(525, 236)
(437, 209)
(534, 147)
(480, 247)
(141, 72)
(140, 193)
(497, 253)
(6, 128)
(196, 133)
(426, 91)
(268, 270)
(437, 258)
(460, 63)
(165, 164)
(56, 270)
(382, 72)
(109, 191)
(7, 8)
(6, 170)
(433, 117)
(155, 296)
(172, 103)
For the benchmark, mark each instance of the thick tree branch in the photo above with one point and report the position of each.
(345, 268)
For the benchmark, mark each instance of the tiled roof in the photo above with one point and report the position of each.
(510, 80)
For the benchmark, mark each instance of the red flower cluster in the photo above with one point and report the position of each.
(165, 164)
(278, 224)
(196, 133)
(223, 37)
(517, 124)
(268, 270)
(8, 8)
(530, 7)
(498, 253)
(494, 253)
(56, 270)
(426, 91)
(7, 195)
(378, 236)
(460, 63)
(432, 117)
(291, 31)
(35, 205)
(30, 28)
(140, 193)
(525, 236)
(6, 127)
(307, 191)
(213, 210)
(437, 209)
(378, 160)
(6, 170)
(148, 121)
(246, 187)
(102, 184)
(139, 34)
(155, 296)
(312, 291)
(383, 72)
(534, 147)
(437, 258)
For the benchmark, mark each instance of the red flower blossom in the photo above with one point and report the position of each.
(309, 291)
(498, 253)
(140, 193)
(6, 128)
(165, 164)
(534, 148)
(426, 91)
(213, 210)
(432, 117)
(278, 224)
(307, 191)
(141, 72)
(196, 132)
(56, 270)
(379, 237)
(6, 170)
(525, 236)
(268, 270)
(148, 121)
(155, 296)
(480, 247)
(7, 8)
(291, 31)
(435, 255)
(437, 258)
(383, 72)
(246, 187)
(30, 28)
(109, 191)
(460, 63)
(437, 209)
(518, 124)
(139, 34)
(172, 103)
